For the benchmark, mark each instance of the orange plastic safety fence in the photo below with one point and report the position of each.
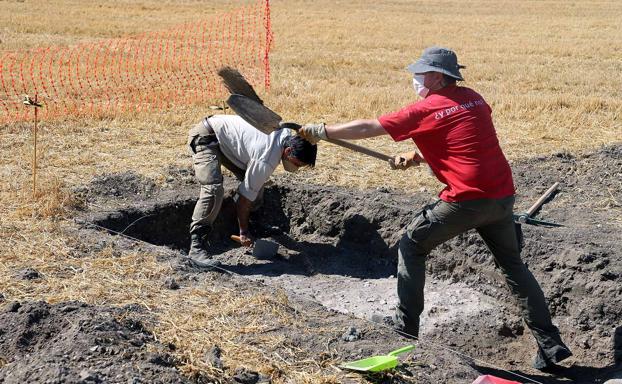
(150, 71)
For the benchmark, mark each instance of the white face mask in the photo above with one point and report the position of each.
(289, 166)
(419, 87)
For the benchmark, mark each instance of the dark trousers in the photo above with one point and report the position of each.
(492, 218)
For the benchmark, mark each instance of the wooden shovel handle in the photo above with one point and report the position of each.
(541, 200)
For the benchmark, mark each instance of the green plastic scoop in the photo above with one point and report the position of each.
(377, 363)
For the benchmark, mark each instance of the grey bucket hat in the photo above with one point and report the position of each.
(437, 59)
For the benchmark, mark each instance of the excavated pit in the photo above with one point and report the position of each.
(165, 224)
(317, 222)
(338, 246)
(287, 213)
(327, 238)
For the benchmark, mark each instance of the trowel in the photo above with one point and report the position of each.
(378, 363)
(262, 248)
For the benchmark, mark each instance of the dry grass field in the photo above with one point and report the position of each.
(549, 69)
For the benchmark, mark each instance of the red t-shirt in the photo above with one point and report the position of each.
(454, 132)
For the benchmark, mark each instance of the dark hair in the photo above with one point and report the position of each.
(302, 149)
(449, 79)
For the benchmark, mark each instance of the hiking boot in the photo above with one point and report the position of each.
(556, 354)
(390, 322)
(198, 254)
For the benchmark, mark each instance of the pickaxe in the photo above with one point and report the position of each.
(526, 217)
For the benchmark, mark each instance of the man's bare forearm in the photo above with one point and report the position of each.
(356, 129)
(243, 209)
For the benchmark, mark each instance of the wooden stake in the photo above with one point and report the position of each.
(34, 103)
(34, 155)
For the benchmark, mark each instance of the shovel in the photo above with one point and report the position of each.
(377, 363)
(262, 249)
(247, 104)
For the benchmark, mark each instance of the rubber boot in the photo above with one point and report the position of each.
(198, 253)
(544, 362)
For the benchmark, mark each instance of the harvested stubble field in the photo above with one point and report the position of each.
(550, 70)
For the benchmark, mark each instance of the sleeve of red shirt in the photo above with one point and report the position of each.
(402, 124)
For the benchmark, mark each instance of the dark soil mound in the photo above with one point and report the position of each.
(127, 184)
(77, 343)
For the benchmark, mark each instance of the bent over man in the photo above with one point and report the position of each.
(251, 156)
(452, 127)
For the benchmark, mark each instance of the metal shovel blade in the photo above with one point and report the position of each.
(265, 249)
(262, 249)
(254, 113)
(377, 363)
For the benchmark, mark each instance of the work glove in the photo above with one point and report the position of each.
(406, 160)
(313, 133)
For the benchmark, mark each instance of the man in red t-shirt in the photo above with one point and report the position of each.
(452, 127)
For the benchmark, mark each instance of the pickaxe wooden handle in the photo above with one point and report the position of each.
(345, 144)
(359, 149)
(267, 121)
(523, 217)
(542, 199)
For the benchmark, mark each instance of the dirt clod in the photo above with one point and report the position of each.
(171, 283)
(28, 274)
(162, 358)
(12, 307)
(213, 357)
(351, 334)
(87, 376)
(245, 376)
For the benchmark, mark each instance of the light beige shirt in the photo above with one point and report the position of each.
(250, 149)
